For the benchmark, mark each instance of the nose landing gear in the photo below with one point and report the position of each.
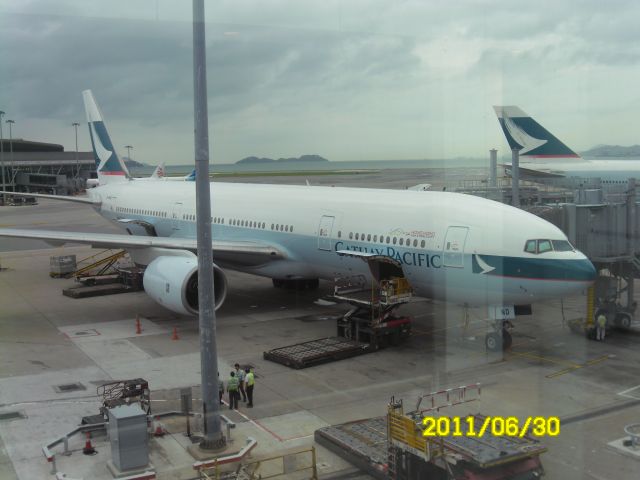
(500, 339)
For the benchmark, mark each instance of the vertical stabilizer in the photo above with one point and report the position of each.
(158, 172)
(527, 135)
(108, 164)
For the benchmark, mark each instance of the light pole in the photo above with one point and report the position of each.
(75, 126)
(213, 437)
(13, 183)
(4, 195)
(129, 148)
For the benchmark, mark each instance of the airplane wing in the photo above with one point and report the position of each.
(63, 198)
(237, 252)
(421, 187)
(539, 172)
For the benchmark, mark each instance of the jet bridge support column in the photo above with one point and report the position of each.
(493, 167)
(632, 236)
(515, 177)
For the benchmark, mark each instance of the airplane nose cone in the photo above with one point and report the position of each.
(583, 270)
(586, 270)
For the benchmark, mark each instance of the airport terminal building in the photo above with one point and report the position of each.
(40, 167)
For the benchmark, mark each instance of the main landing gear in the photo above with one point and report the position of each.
(500, 338)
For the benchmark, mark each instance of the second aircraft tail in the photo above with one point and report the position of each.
(527, 135)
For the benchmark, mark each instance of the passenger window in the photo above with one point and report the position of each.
(415, 242)
(544, 246)
(395, 240)
(375, 238)
(368, 237)
(357, 236)
(350, 235)
(422, 243)
(291, 228)
(388, 239)
(401, 241)
(530, 246)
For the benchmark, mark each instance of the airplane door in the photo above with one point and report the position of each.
(453, 252)
(324, 232)
(176, 213)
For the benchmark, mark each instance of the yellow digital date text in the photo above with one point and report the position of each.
(472, 426)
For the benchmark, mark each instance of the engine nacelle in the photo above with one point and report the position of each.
(173, 283)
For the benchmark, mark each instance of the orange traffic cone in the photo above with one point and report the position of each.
(138, 326)
(88, 448)
(159, 431)
(175, 334)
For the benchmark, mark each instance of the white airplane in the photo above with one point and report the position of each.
(160, 174)
(545, 159)
(449, 246)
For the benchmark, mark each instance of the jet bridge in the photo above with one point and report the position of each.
(608, 233)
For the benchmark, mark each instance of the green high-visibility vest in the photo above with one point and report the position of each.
(232, 384)
(249, 379)
(602, 321)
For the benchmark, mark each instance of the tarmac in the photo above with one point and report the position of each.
(47, 340)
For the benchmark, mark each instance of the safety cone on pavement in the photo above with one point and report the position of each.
(159, 431)
(88, 448)
(175, 334)
(138, 325)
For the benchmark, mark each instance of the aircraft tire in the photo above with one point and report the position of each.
(623, 321)
(493, 342)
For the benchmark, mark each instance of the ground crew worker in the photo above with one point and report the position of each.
(220, 388)
(240, 374)
(232, 388)
(601, 327)
(250, 382)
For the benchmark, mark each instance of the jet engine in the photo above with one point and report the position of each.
(173, 283)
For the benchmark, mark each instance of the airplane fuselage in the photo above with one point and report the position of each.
(570, 173)
(452, 247)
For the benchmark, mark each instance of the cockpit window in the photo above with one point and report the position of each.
(561, 246)
(544, 246)
(531, 246)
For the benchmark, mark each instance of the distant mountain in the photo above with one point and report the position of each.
(302, 158)
(616, 151)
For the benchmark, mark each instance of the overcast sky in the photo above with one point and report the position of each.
(349, 80)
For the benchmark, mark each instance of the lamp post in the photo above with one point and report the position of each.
(13, 183)
(75, 125)
(4, 195)
(213, 437)
(129, 148)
